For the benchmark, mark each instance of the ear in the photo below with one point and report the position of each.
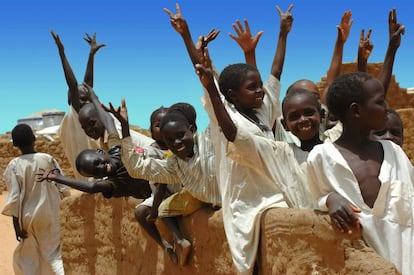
(232, 94)
(354, 109)
(192, 128)
(283, 121)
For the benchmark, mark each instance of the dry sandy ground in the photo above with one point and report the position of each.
(8, 241)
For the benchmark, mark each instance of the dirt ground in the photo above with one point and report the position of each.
(8, 241)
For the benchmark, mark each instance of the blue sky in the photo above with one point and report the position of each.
(145, 60)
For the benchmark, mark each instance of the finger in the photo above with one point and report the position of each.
(246, 24)
(369, 34)
(361, 37)
(239, 25)
(290, 8)
(177, 7)
(259, 34)
(279, 10)
(170, 13)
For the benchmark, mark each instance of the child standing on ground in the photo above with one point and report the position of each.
(34, 207)
(374, 177)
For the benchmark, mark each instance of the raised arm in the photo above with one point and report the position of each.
(365, 48)
(246, 41)
(335, 67)
(82, 185)
(180, 25)
(120, 113)
(103, 115)
(286, 20)
(395, 32)
(88, 79)
(205, 73)
(73, 94)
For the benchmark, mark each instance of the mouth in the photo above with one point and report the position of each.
(305, 127)
(181, 148)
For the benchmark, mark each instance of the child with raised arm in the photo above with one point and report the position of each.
(34, 207)
(72, 136)
(192, 166)
(374, 179)
(114, 180)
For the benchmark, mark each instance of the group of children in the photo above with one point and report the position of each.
(255, 154)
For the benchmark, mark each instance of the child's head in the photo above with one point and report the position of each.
(155, 119)
(393, 130)
(95, 163)
(22, 136)
(302, 113)
(177, 129)
(241, 85)
(360, 97)
(305, 84)
(89, 120)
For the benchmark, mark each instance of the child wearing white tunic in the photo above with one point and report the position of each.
(34, 207)
(373, 178)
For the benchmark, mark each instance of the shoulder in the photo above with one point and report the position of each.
(321, 151)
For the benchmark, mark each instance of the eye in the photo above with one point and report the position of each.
(309, 112)
(380, 133)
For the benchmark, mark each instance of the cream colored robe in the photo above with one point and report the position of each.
(388, 226)
(37, 206)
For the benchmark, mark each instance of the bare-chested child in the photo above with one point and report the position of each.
(364, 182)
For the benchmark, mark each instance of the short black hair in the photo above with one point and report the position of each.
(80, 157)
(300, 91)
(181, 111)
(345, 90)
(22, 135)
(232, 77)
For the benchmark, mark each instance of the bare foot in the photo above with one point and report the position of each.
(185, 251)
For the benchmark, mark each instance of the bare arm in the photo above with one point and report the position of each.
(121, 113)
(88, 79)
(365, 47)
(205, 73)
(73, 95)
(342, 213)
(158, 198)
(20, 233)
(180, 25)
(82, 185)
(246, 41)
(335, 68)
(286, 20)
(395, 32)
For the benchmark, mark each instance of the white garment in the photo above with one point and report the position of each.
(388, 226)
(197, 175)
(37, 206)
(246, 187)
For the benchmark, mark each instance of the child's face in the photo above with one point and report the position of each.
(393, 130)
(97, 164)
(250, 93)
(302, 116)
(179, 139)
(373, 110)
(155, 130)
(331, 121)
(91, 124)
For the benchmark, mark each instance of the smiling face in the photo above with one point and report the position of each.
(90, 122)
(178, 136)
(301, 115)
(95, 163)
(250, 94)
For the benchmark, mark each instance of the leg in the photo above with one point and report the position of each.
(185, 245)
(141, 213)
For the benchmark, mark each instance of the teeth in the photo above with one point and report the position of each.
(181, 148)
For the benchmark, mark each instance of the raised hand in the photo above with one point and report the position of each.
(342, 213)
(57, 41)
(203, 41)
(395, 29)
(365, 45)
(121, 113)
(244, 36)
(177, 21)
(204, 70)
(92, 42)
(286, 19)
(345, 27)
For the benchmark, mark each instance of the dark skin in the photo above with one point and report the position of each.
(76, 94)
(363, 155)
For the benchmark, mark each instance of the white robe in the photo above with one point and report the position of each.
(37, 206)
(246, 190)
(388, 226)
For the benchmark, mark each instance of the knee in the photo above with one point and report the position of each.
(141, 213)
